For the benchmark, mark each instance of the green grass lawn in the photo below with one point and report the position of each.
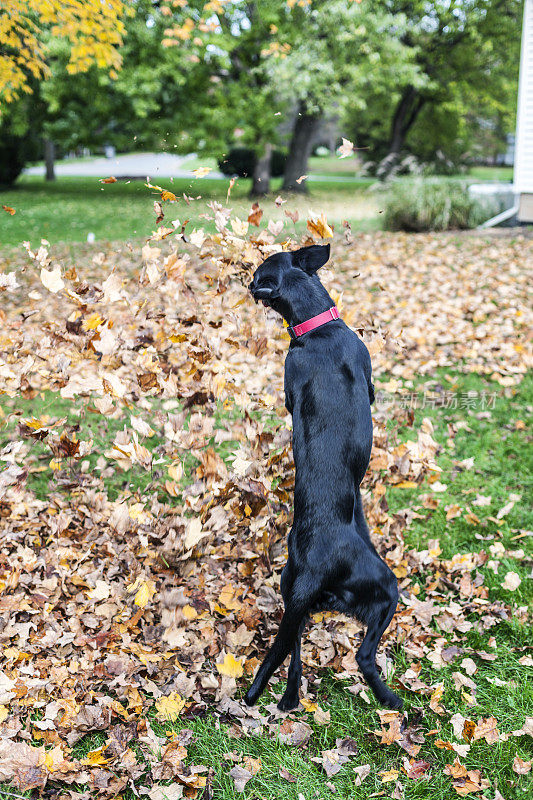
(318, 165)
(71, 209)
(492, 429)
(68, 209)
(492, 173)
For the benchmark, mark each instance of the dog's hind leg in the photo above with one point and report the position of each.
(291, 696)
(283, 643)
(366, 655)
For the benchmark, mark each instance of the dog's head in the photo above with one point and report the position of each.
(280, 276)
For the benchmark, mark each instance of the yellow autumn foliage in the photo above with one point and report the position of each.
(93, 29)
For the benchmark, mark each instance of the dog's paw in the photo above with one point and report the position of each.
(288, 703)
(250, 698)
(391, 700)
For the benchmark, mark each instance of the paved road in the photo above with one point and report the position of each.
(143, 165)
(134, 165)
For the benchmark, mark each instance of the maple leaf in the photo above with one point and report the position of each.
(111, 179)
(170, 706)
(201, 172)
(318, 226)
(240, 776)
(512, 581)
(52, 280)
(8, 281)
(388, 775)
(436, 696)
(9, 210)
(254, 217)
(346, 148)
(144, 591)
(521, 767)
(295, 733)
(231, 666)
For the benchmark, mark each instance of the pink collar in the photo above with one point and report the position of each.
(314, 322)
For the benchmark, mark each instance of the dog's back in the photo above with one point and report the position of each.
(329, 390)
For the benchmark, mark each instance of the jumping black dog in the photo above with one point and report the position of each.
(332, 563)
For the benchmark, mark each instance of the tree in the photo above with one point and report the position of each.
(146, 105)
(336, 51)
(91, 30)
(235, 41)
(467, 55)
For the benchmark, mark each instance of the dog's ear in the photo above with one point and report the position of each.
(310, 259)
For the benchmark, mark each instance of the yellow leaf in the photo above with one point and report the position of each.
(253, 765)
(92, 322)
(388, 775)
(170, 707)
(319, 226)
(201, 172)
(9, 210)
(53, 759)
(406, 485)
(176, 471)
(231, 666)
(136, 513)
(145, 591)
(189, 612)
(95, 758)
(309, 705)
(434, 700)
(4, 713)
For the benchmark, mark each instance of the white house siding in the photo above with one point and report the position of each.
(523, 172)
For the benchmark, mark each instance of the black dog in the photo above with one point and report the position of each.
(332, 563)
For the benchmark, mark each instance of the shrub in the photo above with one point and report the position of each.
(277, 165)
(431, 205)
(241, 161)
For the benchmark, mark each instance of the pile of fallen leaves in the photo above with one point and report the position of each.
(165, 600)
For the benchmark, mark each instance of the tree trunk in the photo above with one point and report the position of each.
(261, 177)
(49, 156)
(303, 134)
(407, 110)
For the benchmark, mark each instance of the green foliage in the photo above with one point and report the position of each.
(145, 106)
(426, 204)
(234, 82)
(339, 51)
(467, 58)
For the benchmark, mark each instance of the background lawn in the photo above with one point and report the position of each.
(70, 209)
